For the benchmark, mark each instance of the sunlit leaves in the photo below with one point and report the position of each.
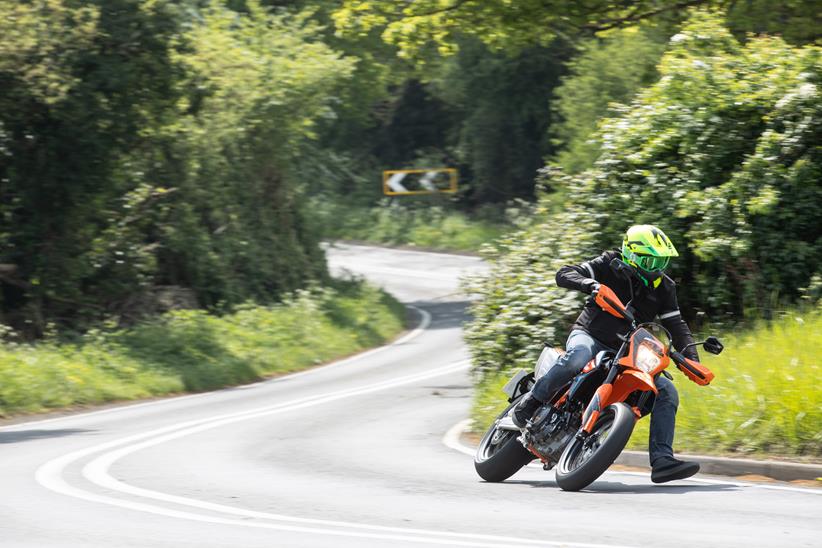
(722, 152)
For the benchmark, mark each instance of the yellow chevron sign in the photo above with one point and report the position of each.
(405, 182)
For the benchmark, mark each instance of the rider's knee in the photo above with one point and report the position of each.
(576, 358)
(667, 392)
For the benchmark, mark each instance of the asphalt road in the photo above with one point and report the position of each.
(351, 454)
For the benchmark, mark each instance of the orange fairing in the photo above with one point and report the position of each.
(601, 400)
(697, 372)
(629, 381)
(643, 338)
(609, 302)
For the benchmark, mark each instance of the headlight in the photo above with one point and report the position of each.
(646, 358)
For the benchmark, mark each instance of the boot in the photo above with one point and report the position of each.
(669, 469)
(525, 409)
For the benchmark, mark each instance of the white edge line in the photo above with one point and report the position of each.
(425, 321)
(451, 439)
(50, 476)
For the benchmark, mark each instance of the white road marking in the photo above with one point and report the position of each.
(451, 439)
(425, 321)
(50, 475)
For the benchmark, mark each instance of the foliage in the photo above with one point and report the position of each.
(425, 28)
(417, 27)
(500, 107)
(78, 84)
(722, 152)
(430, 226)
(190, 350)
(150, 143)
(235, 229)
(608, 72)
(766, 397)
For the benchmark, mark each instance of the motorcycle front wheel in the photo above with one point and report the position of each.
(584, 460)
(499, 454)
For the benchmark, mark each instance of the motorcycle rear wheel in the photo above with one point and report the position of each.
(499, 454)
(584, 460)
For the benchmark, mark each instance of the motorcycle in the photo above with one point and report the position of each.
(585, 426)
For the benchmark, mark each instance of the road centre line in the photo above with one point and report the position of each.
(451, 439)
(50, 475)
(425, 321)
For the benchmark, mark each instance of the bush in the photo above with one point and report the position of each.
(191, 350)
(427, 226)
(147, 143)
(722, 152)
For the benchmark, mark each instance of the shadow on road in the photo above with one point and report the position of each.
(27, 435)
(611, 487)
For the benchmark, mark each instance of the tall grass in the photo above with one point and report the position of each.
(766, 399)
(191, 350)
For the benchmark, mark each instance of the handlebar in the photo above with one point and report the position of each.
(695, 371)
(610, 303)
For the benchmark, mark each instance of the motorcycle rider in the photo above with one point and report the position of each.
(649, 250)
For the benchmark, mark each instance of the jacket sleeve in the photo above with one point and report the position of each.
(671, 319)
(584, 277)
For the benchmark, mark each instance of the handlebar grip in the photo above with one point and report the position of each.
(695, 371)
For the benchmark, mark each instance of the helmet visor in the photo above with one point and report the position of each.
(649, 263)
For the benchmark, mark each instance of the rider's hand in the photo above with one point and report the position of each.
(594, 288)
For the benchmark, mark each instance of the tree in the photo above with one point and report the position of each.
(608, 72)
(78, 85)
(151, 142)
(723, 152)
(426, 28)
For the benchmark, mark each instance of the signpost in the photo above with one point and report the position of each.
(409, 182)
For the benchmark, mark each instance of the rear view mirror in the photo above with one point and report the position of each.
(713, 345)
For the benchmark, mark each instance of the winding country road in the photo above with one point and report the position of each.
(350, 454)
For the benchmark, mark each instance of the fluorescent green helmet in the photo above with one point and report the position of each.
(649, 249)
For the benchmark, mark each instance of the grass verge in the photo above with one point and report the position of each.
(766, 399)
(191, 350)
(432, 227)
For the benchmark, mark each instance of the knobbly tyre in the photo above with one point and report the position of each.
(587, 423)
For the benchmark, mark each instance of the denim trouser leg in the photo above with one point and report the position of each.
(580, 348)
(663, 420)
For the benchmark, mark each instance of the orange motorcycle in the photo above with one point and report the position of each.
(587, 424)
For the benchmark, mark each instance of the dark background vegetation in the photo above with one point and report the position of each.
(191, 147)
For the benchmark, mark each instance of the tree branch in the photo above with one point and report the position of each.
(634, 16)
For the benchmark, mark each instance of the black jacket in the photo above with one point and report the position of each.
(649, 303)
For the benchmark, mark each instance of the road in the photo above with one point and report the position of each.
(351, 454)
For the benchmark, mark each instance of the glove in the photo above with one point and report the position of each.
(593, 288)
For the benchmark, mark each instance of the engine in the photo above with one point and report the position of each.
(551, 431)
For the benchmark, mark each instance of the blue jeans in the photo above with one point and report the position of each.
(579, 349)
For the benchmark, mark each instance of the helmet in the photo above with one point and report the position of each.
(650, 250)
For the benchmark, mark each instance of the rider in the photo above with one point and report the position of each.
(649, 250)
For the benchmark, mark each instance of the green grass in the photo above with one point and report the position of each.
(191, 350)
(430, 227)
(766, 399)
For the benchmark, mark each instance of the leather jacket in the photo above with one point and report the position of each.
(649, 303)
